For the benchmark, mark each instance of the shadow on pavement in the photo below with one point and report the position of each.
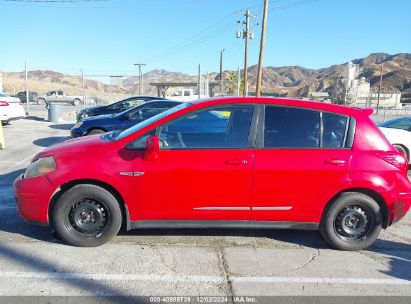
(396, 255)
(62, 126)
(48, 141)
(36, 118)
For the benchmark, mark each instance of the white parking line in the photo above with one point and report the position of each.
(196, 279)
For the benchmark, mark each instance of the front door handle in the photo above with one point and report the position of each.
(236, 162)
(335, 162)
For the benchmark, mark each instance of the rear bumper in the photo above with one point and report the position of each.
(399, 201)
(33, 196)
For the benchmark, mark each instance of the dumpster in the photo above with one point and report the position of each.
(55, 112)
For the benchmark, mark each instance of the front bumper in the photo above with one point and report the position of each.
(76, 133)
(33, 196)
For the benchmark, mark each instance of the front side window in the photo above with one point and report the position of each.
(218, 128)
(140, 143)
(287, 127)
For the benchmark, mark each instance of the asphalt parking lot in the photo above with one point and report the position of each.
(183, 262)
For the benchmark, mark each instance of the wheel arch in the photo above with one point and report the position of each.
(63, 188)
(407, 151)
(373, 194)
(95, 128)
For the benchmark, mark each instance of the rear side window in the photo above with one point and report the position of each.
(291, 128)
(334, 130)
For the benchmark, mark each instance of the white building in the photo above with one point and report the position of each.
(1, 83)
(358, 91)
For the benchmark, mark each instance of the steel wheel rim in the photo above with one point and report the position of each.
(352, 223)
(87, 217)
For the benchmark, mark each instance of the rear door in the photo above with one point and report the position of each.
(301, 159)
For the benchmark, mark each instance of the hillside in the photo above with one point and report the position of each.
(287, 80)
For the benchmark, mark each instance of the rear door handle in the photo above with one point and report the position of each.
(335, 162)
(236, 162)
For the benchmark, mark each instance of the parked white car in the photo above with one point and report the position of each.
(10, 108)
(399, 138)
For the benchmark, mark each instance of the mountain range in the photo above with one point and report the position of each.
(288, 80)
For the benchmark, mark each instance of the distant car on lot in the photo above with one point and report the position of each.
(22, 96)
(10, 108)
(116, 107)
(259, 163)
(399, 138)
(184, 95)
(121, 121)
(403, 123)
(59, 97)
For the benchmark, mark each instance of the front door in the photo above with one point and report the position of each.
(204, 168)
(301, 160)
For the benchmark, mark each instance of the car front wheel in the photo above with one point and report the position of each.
(352, 222)
(86, 216)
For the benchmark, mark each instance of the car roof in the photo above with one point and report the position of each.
(313, 105)
(149, 102)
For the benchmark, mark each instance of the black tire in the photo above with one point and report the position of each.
(401, 149)
(353, 221)
(76, 102)
(41, 101)
(86, 216)
(95, 131)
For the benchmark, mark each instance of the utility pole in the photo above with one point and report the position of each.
(238, 81)
(262, 45)
(379, 88)
(140, 76)
(82, 88)
(221, 70)
(246, 34)
(199, 81)
(27, 89)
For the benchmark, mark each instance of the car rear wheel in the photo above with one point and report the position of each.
(95, 131)
(41, 101)
(352, 222)
(86, 216)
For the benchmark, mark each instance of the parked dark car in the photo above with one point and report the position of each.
(123, 120)
(114, 108)
(403, 123)
(22, 96)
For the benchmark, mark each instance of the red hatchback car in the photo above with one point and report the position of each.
(232, 163)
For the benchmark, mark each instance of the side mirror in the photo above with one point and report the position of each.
(152, 148)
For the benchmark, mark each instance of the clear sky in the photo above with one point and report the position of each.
(108, 36)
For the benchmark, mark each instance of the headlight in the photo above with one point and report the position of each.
(78, 125)
(40, 167)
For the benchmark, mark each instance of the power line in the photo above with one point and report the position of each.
(290, 5)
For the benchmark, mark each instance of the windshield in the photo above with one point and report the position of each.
(151, 120)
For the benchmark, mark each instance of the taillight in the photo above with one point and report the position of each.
(396, 159)
(3, 104)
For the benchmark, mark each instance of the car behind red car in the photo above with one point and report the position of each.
(253, 163)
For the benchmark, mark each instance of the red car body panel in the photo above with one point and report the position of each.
(257, 184)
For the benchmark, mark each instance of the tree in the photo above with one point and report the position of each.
(231, 84)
